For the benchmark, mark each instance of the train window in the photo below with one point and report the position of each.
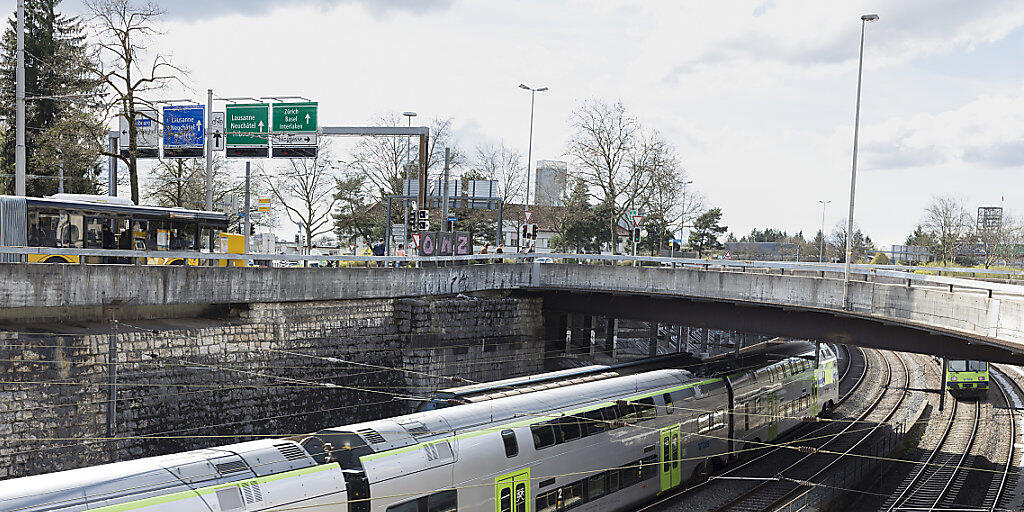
(543, 435)
(613, 481)
(627, 413)
(977, 366)
(408, 506)
(611, 413)
(444, 501)
(595, 487)
(629, 475)
(519, 498)
(957, 365)
(666, 454)
(593, 422)
(746, 416)
(649, 467)
(547, 502)
(573, 495)
(511, 446)
(504, 500)
(645, 408)
(570, 428)
(703, 423)
(667, 398)
(719, 419)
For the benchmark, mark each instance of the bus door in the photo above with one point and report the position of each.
(671, 453)
(512, 492)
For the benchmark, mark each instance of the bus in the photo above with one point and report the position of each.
(83, 221)
(967, 378)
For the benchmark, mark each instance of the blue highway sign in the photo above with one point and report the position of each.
(184, 131)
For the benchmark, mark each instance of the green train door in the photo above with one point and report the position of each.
(512, 492)
(671, 453)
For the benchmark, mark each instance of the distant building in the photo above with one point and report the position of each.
(551, 182)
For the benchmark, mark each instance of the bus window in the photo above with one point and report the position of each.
(94, 232)
(42, 228)
(206, 241)
(977, 366)
(70, 230)
(957, 365)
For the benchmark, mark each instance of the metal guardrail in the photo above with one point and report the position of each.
(907, 273)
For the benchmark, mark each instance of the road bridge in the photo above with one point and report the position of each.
(889, 309)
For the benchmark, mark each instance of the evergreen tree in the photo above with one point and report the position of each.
(61, 133)
(706, 230)
(580, 226)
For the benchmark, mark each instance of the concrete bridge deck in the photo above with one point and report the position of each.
(951, 317)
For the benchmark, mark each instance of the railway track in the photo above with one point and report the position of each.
(802, 473)
(853, 375)
(944, 479)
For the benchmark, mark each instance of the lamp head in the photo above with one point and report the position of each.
(524, 86)
(869, 17)
(542, 89)
(409, 114)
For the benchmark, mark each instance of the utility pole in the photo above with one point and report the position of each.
(246, 226)
(444, 207)
(112, 163)
(209, 156)
(19, 149)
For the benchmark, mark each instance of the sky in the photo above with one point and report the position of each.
(758, 97)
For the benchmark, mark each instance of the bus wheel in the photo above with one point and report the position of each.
(55, 259)
(178, 262)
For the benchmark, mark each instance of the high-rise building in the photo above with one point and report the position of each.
(551, 182)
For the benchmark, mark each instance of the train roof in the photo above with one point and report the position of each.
(411, 429)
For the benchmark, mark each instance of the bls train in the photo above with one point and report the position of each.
(601, 445)
(966, 378)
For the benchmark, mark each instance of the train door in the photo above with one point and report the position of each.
(671, 453)
(512, 492)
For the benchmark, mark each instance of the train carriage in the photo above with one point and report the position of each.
(600, 445)
(965, 378)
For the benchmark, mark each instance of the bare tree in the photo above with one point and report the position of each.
(305, 190)
(441, 137)
(663, 193)
(949, 222)
(499, 162)
(602, 150)
(124, 30)
(182, 182)
(383, 160)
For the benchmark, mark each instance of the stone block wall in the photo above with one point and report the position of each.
(259, 371)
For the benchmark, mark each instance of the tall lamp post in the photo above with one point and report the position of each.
(529, 150)
(853, 174)
(821, 251)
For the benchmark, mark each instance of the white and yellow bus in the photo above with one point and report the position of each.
(81, 221)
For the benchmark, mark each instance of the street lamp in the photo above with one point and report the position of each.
(821, 253)
(529, 151)
(853, 174)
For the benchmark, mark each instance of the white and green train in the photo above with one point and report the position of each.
(602, 445)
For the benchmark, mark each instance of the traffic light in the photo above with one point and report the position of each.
(524, 231)
(533, 231)
(423, 225)
(636, 234)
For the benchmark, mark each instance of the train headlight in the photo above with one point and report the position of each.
(954, 379)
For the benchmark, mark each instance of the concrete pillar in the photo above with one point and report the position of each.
(592, 322)
(610, 336)
(653, 343)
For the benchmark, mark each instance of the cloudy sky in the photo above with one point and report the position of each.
(758, 96)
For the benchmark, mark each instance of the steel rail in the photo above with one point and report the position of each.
(773, 450)
(1008, 468)
(789, 497)
(764, 486)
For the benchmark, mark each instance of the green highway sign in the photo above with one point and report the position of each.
(294, 130)
(295, 117)
(243, 123)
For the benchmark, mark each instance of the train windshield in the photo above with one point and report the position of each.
(977, 366)
(957, 366)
